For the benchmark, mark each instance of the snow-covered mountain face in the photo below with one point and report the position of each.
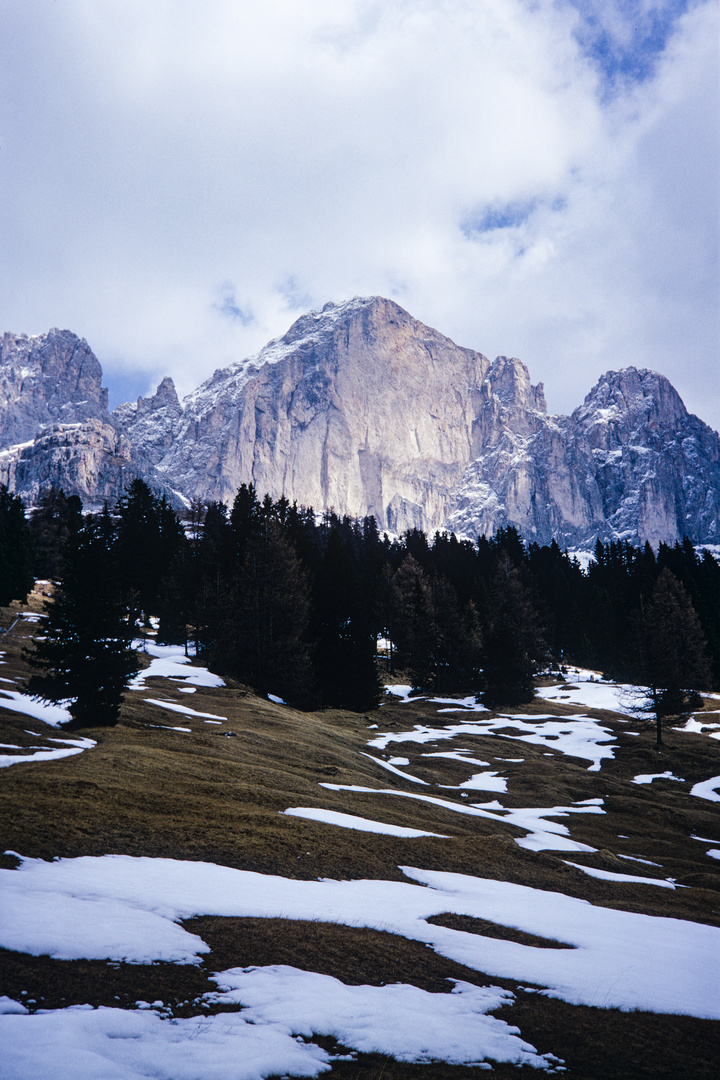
(362, 409)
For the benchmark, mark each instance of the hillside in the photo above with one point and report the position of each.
(227, 816)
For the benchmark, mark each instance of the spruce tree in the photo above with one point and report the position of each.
(345, 627)
(86, 653)
(16, 549)
(513, 638)
(672, 651)
(53, 520)
(262, 632)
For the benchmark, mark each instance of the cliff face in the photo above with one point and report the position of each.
(55, 427)
(359, 408)
(47, 379)
(362, 409)
(656, 467)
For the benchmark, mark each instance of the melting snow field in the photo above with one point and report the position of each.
(543, 835)
(587, 688)
(170, 662)
(54, 715)
(72, 746)
(350, 821)
(123, 909)
(707, 789)
(701, 727)
(576, 736)
(72, 908)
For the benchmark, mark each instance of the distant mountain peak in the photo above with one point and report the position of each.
(362, 409)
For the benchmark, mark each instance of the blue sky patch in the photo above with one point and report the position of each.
(625, 39)
(229, 307)
(500, 216)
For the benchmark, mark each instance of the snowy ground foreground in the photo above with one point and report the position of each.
(576, 736)
(280, 1003)
(170, 662)
(74, 746)
(701, 727)
(609, 875)
(400, 1020)
(707, 789)
(391, 767)
(483, 781)
(85, 1044)
(351, 821)
(586, 688)
(647, 778)
(124, 908)
(172, 706)
(543, 835)
(54, 715)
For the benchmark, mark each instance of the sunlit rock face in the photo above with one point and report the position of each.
(630, 463)
(362, 409)
(358, 408)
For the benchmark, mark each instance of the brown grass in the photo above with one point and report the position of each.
(210, 796)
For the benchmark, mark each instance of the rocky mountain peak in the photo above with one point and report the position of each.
(633, 402)
(150, 422)
(362, 409)
(508, 380)
(46, 379)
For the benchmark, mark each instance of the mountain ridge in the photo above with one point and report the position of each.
(362, 409)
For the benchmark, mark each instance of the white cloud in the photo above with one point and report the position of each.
(166, 165)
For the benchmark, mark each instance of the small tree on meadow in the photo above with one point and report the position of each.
(671, 650)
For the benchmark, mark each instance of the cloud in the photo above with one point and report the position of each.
(228, 306)
(179, 182)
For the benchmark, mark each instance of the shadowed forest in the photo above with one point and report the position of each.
(294, 604)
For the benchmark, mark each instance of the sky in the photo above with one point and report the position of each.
(537, 178)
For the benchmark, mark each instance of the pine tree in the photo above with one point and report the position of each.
(86, 653)
(16, 549)
(53, 520)
(513, 639)
(344, 625)
(262, 632)
(414, 623)
(671, 651)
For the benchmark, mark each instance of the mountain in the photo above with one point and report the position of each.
(55, 427)
(362, 409)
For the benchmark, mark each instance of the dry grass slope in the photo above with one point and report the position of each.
(216, 796)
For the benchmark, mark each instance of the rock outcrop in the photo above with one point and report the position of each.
(362, 409)
(358, 408)
(51, 378)
(55, 427)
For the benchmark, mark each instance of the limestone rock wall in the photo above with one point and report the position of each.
(362, 409)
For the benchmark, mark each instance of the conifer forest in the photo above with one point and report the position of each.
(320, 610)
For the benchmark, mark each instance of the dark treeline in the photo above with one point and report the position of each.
(293, 603)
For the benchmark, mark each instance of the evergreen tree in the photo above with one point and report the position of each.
(344, 626)
(86, 653)
(414, 623)
(262, 632)
(513, 640)
(52, 521)
(671, 651)
(16, 549)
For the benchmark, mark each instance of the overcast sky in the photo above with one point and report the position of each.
(180, 180)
